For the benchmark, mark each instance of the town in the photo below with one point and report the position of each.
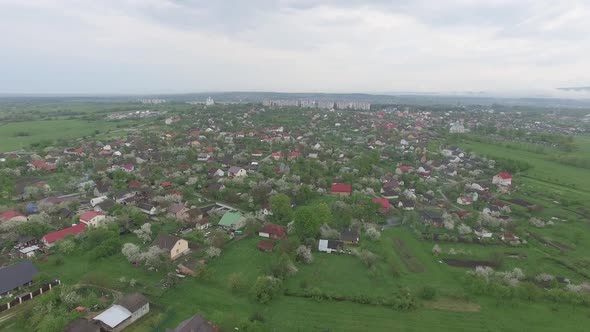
(293, 215)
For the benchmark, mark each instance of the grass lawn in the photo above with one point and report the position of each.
(38, 131)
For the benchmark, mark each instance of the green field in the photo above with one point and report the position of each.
(545, 170)
(12, 135)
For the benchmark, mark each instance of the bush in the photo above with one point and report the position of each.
(427, 293)
(236, 282)
(265, 288)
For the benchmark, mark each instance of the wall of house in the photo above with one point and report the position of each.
(179, 248)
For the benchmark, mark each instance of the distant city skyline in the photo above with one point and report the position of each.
(336, 46)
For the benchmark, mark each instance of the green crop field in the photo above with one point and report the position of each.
(18, 135)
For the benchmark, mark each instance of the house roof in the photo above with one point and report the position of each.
(55, 236)
(383, 202)
(274, 230)
(504, 175)
(16, 275)
(234, 169)
(265, 245)
(175, 208)
(230, 219)
(350, 234)
(165, 241)
(89, 215)
(194, 324)
(7, 215)
(114, 316)
(341, 188)
(133, 302)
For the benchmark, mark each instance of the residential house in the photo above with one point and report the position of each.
(350, 236)
(123, 196)
(92, 218)
(232, 220)
(406, 204)
(12, 215)
(277, 155)
(330, 246)
(102, 188)
(273, 231)
(178, 211)
(16, 276)
(384, 204)
(502, 179)
(51, 238)
(215, 172)
(235, 171)
(341, 189)
(203, 156)
(174, 246)
(147, 208)
(195, 324)
(265, 245)
(127, 310)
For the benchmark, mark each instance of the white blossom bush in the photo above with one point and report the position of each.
(373, 233)
(544, 277)
(213, 252)
(464, 229)
(436, 250)
(304, 254)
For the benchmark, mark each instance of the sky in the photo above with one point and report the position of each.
(370, 46)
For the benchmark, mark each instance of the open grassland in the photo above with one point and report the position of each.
(542, 169)
(18, 135)
(453, 310)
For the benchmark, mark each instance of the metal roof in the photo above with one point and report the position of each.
(114, 316)
(16, 275)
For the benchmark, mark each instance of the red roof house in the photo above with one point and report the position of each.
(92, 217)
(51, 238)
(12, 215)
(265, 245)
(341, 189)
(273, 231)
(385, 205)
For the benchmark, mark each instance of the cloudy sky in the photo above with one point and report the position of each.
(161, 46)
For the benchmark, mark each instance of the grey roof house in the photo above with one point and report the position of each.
(16, 275)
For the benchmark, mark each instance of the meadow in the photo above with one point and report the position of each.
(19, 135)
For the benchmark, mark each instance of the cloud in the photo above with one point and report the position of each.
(148, 46)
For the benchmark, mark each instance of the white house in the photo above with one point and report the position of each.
(127, 310)
(92, 218)
(502, 179)
(235, 171)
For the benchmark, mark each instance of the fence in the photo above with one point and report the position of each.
(27, 296)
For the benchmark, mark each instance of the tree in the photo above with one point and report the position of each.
(144, 233)
(304, 254)
(66, 246)
(283, 267)
(306, 224)
(373, 233)
(213, 252)
(131, 252)
(265, 288)
(153, 256)
(323, 213)
(282, 212)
